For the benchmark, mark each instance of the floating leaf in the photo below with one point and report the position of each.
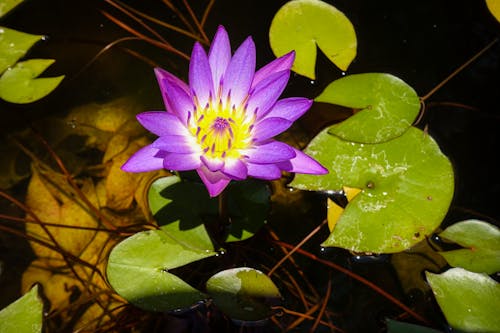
(407, 186)
(138, 271)
(470, 301)
(482, 242)
(14, 45)
(7, 5)
(301, 24)
(243, 293)
(172, 202)
(494, 7)
(20, 85)
(394, 326)
(387, 106)
(24, 315)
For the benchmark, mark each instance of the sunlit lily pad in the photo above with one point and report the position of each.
(243, 293)
(24, 315)
(14, 45)
(407, 185)
(300, 25)
(482, 246)
(385, 106)
(138, 271)
(470, 301)
(184, 206)
(7, 5)
(20, 84)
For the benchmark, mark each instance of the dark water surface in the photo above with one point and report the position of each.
(421, 42)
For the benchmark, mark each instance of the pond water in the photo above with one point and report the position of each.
(421, 42)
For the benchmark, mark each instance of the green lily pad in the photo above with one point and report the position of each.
(7, 5)
(300, 25)
(394, 326)
(182, 207)
(24, 315)
(482, 242)
(20, 85)
(138, 271)
(243, 293)
(386, 106)
(407, 185)
(14, 45)
(469, 301)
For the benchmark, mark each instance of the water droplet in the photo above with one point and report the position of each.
(343, 73)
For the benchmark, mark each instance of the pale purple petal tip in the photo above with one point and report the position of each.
(162, 76)
(215, 182)
(200, 75)
(264, 171)
(179, 101)
(161, 123)
(303, 163)
(235, 169)
(267, 92)
(271, 152)
(219, 56)
(280, 64)
(143, 160)
(239, 73)
(181, 162)
(290, 108)
(270, 127)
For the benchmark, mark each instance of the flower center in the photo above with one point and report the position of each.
(221, 131)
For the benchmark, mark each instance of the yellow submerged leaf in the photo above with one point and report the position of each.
(494, 7)
(334, 210)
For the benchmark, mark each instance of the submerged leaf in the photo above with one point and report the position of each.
(482, 246)
(407, 185)
(24, 315)
(394, 326)
(14, 45)
(138, 271)
(470, 301)
(243, 293)
(494, 7)
(20, 84)
(300, 25)
(387, 106)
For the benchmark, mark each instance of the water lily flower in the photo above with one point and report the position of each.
(222, 125)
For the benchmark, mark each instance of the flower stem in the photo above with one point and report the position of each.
(223, 213)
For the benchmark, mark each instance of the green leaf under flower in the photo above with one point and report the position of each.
(300, 25)
(394, 326)
(24, 315)
(386, 106)
(182, 208)
(470, 301)
(407, 185)
(7, 5)
(243, 293)
(482, 246)
(138, 270)
(20, 84)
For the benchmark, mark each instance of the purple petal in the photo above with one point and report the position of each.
(162, 123)
(180, 102)
(290, 108)
(267, 92)
(215, 182)
(264, 171)
(176, 144)
(235, 168)
(200, 75)
(239, 73)
(270, 127)
(143, 160)
(303, 163)
(181, 162)
(213, 164)
(277, 65)
(162, 76)
(219, 56)
(271, 152)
